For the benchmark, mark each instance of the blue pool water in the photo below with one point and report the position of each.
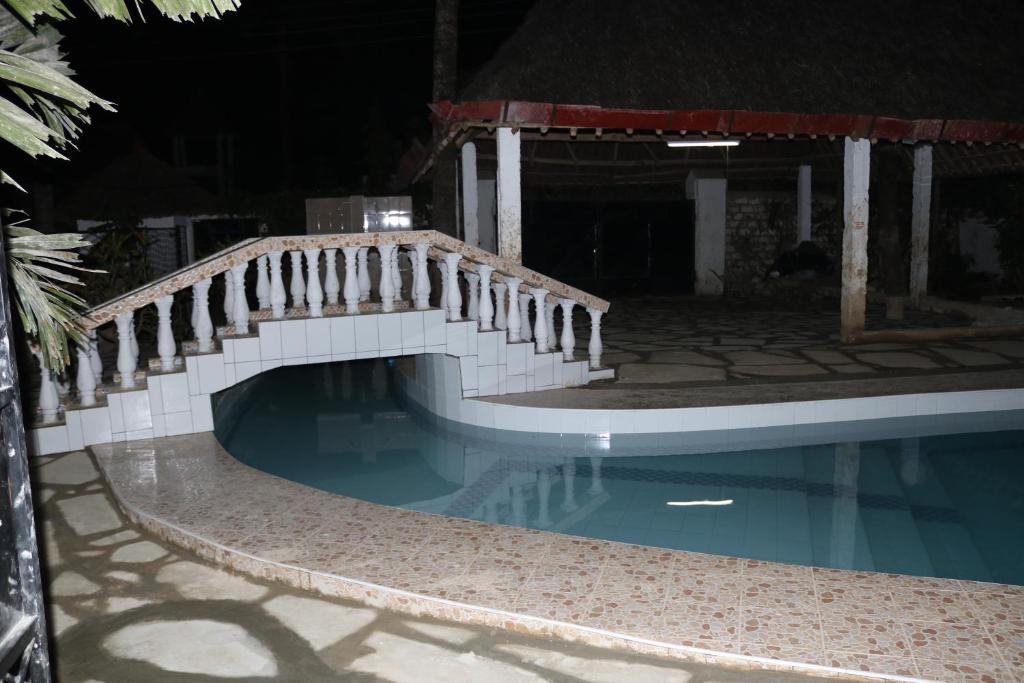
(900, 496)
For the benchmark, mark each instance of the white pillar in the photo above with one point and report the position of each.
(241, 316)
(332, 287)
(165, 346)
(125, 358)
(95, 362)
(49, 403)
(920, 222)
(803, 204)
(524, 315)
(568, 336)
(549, 311)
(709, 234)
(387, 282)
(422, 277)
(229, 298)
(297, 287)
(510, 201)
(500, 321)
(856, 178)
(473, 287)
(594, 348)
(262, 282)
(314, 293)
(512, 321)
(204, 326)
(85, 380)
(396, 273)
(470, 222)
(351, 291)
(485, 307)
(451, 260)
(277, 296)
(540, 324)
(569, 481)
(363, 274)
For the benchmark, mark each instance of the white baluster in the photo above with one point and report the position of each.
(526, 333)
(262, 282)
(500, 321)
(387, 281)
(241, 316)
(443, 302)
(204, 326)
(125, 358)
(396, 273)
(540, 325)
(422, 278)
(297, 286)
(331, 284)
(278, 298)
(485, 308)
(229, 298)
(568, 335)
(473, 286)
(95, 362)
(595, 348)
(364, 274)
(454, 293)
(85, 379)
(49, 403)
(514, 321)
(194, 318)
(165, 346)
(134, 345)
(351, 291)
(549, 311)
(314, 293)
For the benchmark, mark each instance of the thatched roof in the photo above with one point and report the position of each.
(137, 185)
(910, 59)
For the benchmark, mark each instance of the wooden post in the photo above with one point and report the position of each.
(920, 223)
(510, 204)
(856, 179)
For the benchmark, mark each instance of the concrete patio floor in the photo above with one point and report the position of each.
(125, 606)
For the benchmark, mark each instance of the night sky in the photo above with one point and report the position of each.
(342, 84)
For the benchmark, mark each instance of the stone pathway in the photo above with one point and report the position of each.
(126, 607)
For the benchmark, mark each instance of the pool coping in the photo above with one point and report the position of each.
(178, 505)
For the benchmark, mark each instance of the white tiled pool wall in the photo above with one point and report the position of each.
(169, 404)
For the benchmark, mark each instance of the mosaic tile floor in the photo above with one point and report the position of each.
(649, 600)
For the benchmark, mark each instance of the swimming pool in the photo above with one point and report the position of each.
(913, 496)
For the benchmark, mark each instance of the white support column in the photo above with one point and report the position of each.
(473, 287)
(332, 286)
(95, 362)
(297, 287)
(485, 307)
(85, 380)
(500, 320)
(454, 300)
(422, 277)
(510, 201)
(549, 311)
(540, 325)
(856, 178)
(49, 402)
(594, 348)
(920, 223)
(709, 234)
(314, 293)
(125, 358)
(262, 282)
(512, 321)
(229, 298)
(241, 316)
(351, 291)
(396, 273)
(363, 274)
(568, 335)
(277, 296)
(387, 282)
(803, 204)
(524, 315)
(470, 203)
(165, 345)
(201, 302)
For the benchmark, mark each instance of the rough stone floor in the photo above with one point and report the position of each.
(126, 607)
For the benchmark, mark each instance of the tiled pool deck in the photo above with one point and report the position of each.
(750, 614)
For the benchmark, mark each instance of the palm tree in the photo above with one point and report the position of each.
(42, 112)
